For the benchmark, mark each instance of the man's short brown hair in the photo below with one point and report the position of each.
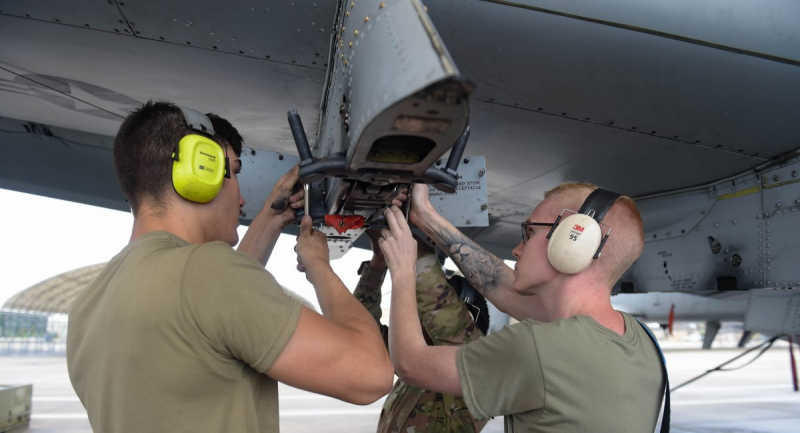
(143, 150)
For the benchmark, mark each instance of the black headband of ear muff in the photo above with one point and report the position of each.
(599, 201)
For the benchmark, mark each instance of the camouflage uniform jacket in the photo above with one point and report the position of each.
(445, 321)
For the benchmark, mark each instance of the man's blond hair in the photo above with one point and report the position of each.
(626, 242)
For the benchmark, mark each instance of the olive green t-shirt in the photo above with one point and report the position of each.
(174, 337)
(570, 375)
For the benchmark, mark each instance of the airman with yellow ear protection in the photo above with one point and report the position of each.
(198, 162)
(578, 240)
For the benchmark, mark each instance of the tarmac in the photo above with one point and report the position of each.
(756, 398)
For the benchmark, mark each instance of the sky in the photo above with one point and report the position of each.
(42, 237)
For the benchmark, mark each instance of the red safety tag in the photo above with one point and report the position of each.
(344, 223)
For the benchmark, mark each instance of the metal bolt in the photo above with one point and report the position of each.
(716, 225)
(699, 228)
(469, 221)
(797, 201)
(252, 151)
(703, 211)
(778, 204)
(776, 178)
(350, 45)
(280, 157)
(484, 207)
(481, 173)
(735, 222)
(766, 215)
(794, 173)
(758, 217)
(383, 5)
(355, 33)
(366, 19)
(352, 5)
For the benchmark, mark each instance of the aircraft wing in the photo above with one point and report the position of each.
(685, 105)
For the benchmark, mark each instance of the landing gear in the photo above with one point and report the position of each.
(746, 335)
(712, 327)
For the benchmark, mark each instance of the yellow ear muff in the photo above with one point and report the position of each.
(573, 243)
(198, 168)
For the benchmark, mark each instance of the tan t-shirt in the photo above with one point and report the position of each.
(173, 337)
(570, 375)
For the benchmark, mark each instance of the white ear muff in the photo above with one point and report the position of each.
(574, 243)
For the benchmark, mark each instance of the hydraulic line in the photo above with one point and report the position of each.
(763, 346)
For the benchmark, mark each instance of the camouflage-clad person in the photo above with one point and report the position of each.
(446, 320)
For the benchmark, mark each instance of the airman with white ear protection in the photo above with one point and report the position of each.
(198, 162)
(578, 240)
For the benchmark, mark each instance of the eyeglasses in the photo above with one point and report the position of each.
(526, 231)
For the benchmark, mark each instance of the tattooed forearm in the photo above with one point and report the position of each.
(279, 204)
(485, 271)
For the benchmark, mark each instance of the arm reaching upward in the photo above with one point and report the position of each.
(485, 271)
(278, 212)
(431, 367)
(341, 354)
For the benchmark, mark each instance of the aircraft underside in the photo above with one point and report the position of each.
(690, 107)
